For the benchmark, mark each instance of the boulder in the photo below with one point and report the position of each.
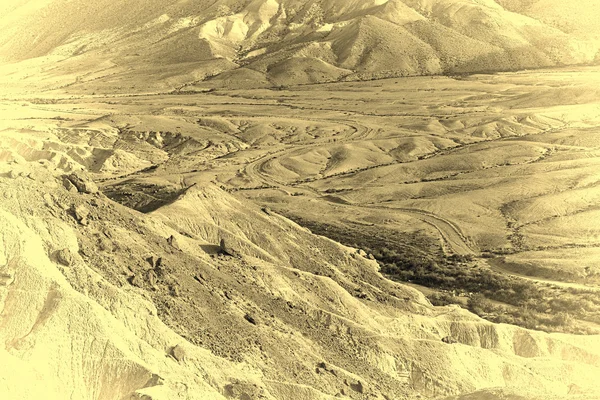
(172, 241)
(357, 386)
(137, 280)
(179, 353)
(226, 249)
(251, 318)
(81, 214)
(243, 391)
(449, 339)
(267, 211)
(65, 257)
(82, 183)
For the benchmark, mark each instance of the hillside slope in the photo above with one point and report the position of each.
(211, 297)
(175, 44)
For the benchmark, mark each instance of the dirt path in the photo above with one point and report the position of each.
(258, 169)
(498, 266)
(452, 236)
(450, 233)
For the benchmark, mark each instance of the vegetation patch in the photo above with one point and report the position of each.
(492, 295)
(141, 196)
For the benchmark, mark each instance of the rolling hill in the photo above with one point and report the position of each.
(210, 296)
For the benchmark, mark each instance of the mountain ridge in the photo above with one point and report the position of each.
(366, 40)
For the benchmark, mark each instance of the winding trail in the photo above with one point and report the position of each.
(451, 234)
(257, 169)
(497, 266)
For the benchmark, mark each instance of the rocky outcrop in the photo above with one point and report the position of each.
(82, 182)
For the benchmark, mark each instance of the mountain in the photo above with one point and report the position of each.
(577, 19)
(179, 43)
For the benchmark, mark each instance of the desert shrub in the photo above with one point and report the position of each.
(477, 303)
(442, 299)
(415, 258)
(561, 319)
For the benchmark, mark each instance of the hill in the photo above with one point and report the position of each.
(211, 297)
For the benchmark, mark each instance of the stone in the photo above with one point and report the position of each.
(250, 318)
(449, 339)
(137, 280)
(222, 246)
(172, 241)
(356, 386)
(267, 211)
(152, 277)
(226, 249)
(6, 278)
(48, 200)
(65, 257)
(243, 391)
(81, 214)
(155, 380)
(179, 353)
(83, 183)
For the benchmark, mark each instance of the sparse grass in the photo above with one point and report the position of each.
(492, 295)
